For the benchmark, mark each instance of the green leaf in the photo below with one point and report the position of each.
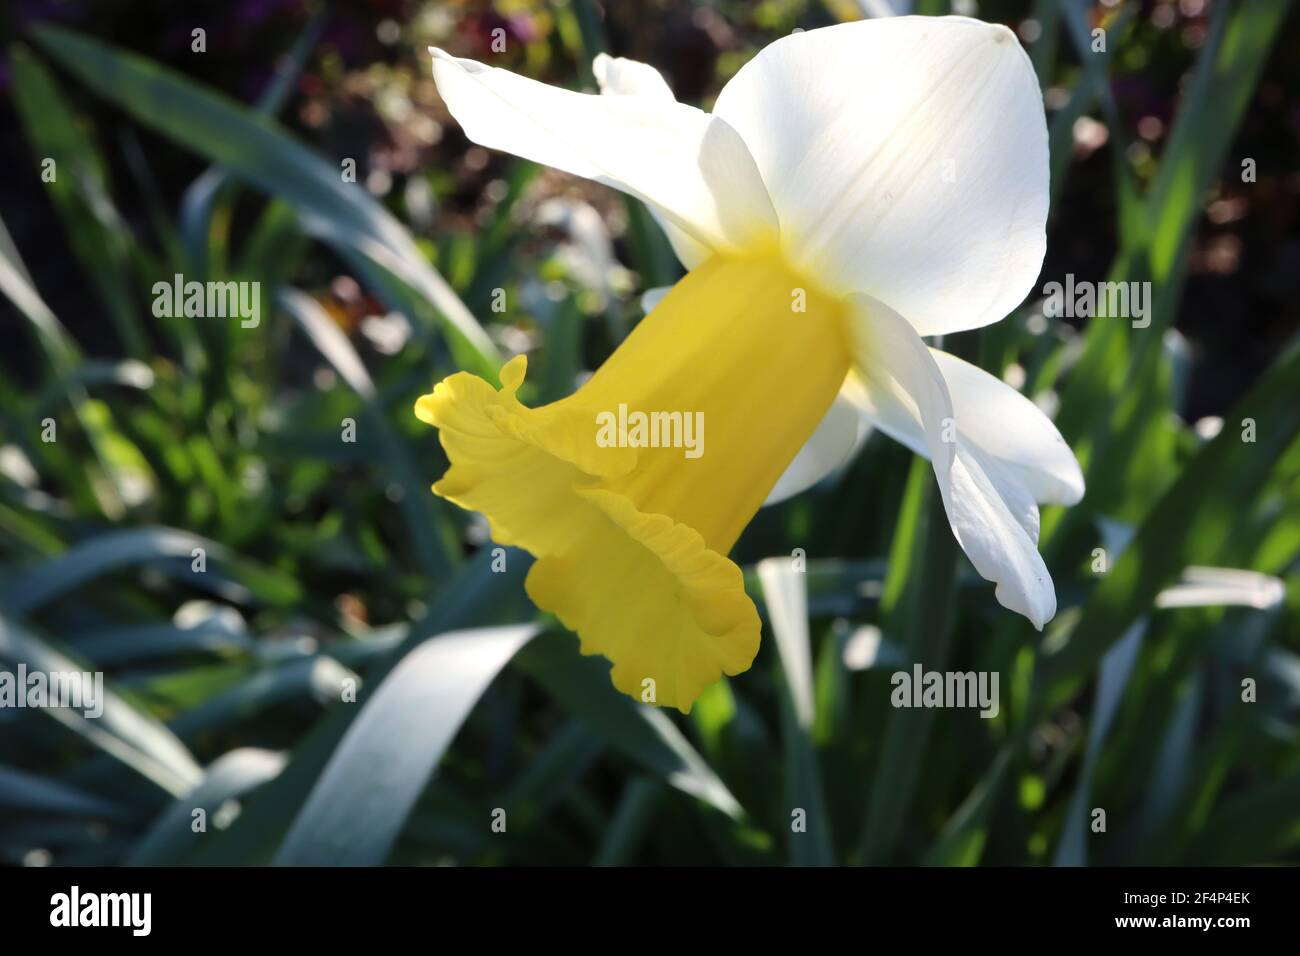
(787, 608)
(30, 588)
(171, 838)
(361, 801)
(437, 553)
(962, 840)
(475, 595)
(118, 646)
(553, 773)
(1094, 69)
(317, 678)
(1227, 72)
(63, 355)
(129, 736)
(1189, 525)
(633, 816)
(23, 791)
(1116, 669)
(257, 149)
(581, 685)
(925, 616)
(96, 231)
(1256, 825)
(200, 199)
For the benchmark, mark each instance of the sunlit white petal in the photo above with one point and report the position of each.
(1003, 424)
(906, 158)
(829, 447)
(692, 167)
(618, 76)
(1011, 428)
(992, 513)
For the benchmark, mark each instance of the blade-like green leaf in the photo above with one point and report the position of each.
(231, 775)
(317, 678)
(361, 801)
(632, 818)
(31, 588)
(257, 149)
(23, 791)
(1189, 525)
(581, 685)
(787, 607)
(96, 231)
(129, 736)
(925, 615)
(1116, 669)
(476, 595)
(200, 199)
(435, 551)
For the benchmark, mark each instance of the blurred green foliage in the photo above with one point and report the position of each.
(327, 566)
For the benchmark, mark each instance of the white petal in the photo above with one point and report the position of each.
(831, 444)
(1008, 426)
(906, 158)
(992, 513)
(997, 541)
(651, 298)
(693, 167)
(617, 76)
(1223, 587)
(690, 251)
(1005, 426)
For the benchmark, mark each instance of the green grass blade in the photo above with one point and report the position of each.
(436, 551)
(476, 595)
(1189, 525)
(554, 772)
(636, 808)
(96, 232)
(1223, 83)
(361, 801)
(926, 613)
(17, 286)
(126, 734)
(1116, 669)
(30, 588)
(317, 678)
(962, 839)
(581, 685)
(257, 149)
(787, 608)
(21, 791)
(200, 199)
(172, 836)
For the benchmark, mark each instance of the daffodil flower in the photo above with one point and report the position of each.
(855, 189)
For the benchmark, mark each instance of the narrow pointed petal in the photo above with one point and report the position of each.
(1001, 423)
(618, 76)
(1009, 427)
(905, 157)
(992, 513)
(829, 447)
(692, 167)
